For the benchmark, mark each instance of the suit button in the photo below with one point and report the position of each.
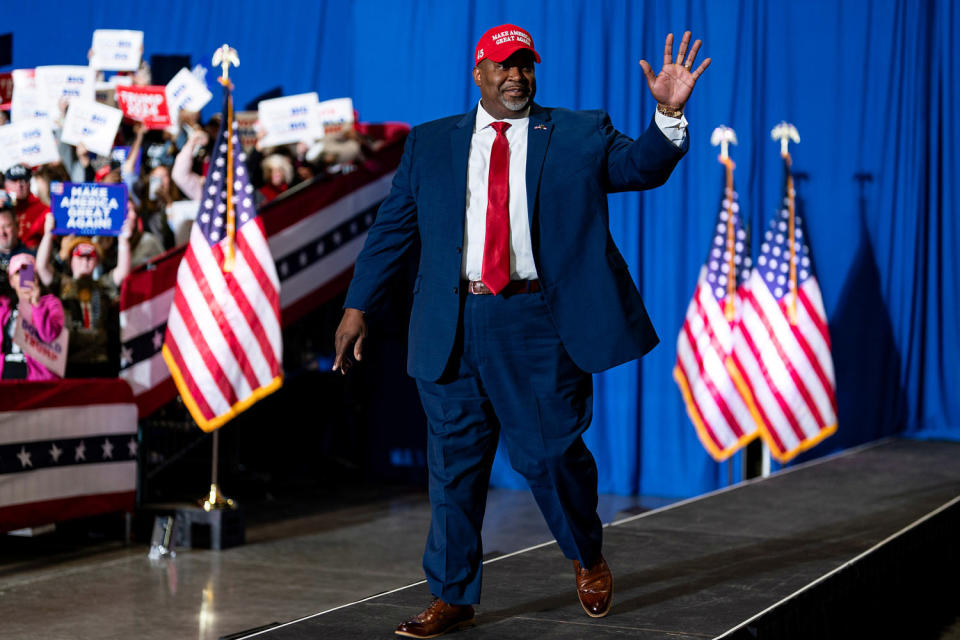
(459, 249)
(456, 290)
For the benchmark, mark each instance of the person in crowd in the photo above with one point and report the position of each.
(514, 309)
(190, 183)
(10, 244)
(44, 175)
(89, 302)
(277, 177)
(20, 292)
(29, 208)
(153, 195)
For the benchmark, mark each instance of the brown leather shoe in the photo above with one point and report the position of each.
(595, 588)
(436, 620)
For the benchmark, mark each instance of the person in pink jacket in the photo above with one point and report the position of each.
(47, 317)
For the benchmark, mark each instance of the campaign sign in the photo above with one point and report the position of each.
(88, 208)
(145, 104)
(290, 119)
(24, 103)
(247, 128)
(336, 115)
(27, 142)
(91, 124)
(63, 81)
(116, 49)
(120, 155)
(186, 92)
(53, 354)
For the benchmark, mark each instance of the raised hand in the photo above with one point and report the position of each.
(674, 84)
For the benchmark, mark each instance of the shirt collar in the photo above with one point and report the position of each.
(484, 119)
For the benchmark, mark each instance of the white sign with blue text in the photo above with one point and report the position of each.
(27, 142)
(91, 124)
(290, 119)
(63, 82)
(186, 93)
(116, 49)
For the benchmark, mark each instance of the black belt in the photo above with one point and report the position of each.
(477, 287)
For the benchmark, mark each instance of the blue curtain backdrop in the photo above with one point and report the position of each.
(871, 86)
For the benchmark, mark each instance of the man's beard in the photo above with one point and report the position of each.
(515, 105)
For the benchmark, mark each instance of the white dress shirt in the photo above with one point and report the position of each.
(522, 266)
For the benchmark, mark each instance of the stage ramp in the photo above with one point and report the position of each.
(865, 544)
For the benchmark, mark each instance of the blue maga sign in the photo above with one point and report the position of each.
(88, 209)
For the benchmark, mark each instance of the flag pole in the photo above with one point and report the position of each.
(785, 132)
(724, 136)
(224, 57)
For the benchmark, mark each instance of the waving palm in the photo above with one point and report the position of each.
(674, 84)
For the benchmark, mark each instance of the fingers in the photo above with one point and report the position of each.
(648, 72)
(358, 349)
(668, 50)
(684, 43)
(703, 67)
(693, 54)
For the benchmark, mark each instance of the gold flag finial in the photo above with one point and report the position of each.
(223, 58)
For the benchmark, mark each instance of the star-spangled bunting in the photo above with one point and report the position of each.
(66, 452)
(223, 341)
(715, 405)
(781, 359)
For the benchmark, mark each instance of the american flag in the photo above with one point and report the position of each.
(315, 231)
(223, 341)
(718, 411)
(781, 357)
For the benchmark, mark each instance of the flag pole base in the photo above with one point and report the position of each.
(215, 500)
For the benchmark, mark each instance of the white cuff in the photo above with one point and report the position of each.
(675, 129)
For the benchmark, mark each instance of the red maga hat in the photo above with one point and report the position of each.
(501, 42)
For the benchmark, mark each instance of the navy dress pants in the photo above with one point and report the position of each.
(508, 372)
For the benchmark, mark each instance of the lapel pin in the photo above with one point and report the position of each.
(540, 126)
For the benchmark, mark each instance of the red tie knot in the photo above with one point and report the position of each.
(500, 127)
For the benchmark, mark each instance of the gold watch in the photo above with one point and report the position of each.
(670, 112)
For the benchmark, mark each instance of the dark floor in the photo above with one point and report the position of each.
(303, 555)
(691, 570)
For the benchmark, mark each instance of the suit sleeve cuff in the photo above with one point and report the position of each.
(675, 129)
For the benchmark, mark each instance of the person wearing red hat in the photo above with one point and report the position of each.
(29, 208)
(521, 295)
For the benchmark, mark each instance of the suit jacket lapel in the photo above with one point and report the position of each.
(460, 138)
(538, 137)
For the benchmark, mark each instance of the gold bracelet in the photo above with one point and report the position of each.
(669, 111)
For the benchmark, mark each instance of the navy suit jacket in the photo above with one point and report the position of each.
(574, 159)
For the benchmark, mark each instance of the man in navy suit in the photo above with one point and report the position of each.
(521, 294)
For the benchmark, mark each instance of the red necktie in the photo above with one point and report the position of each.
(496, 244)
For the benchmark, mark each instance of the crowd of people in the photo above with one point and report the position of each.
(73, 283)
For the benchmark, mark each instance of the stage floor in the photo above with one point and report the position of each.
(690, 570)
(695, 569)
